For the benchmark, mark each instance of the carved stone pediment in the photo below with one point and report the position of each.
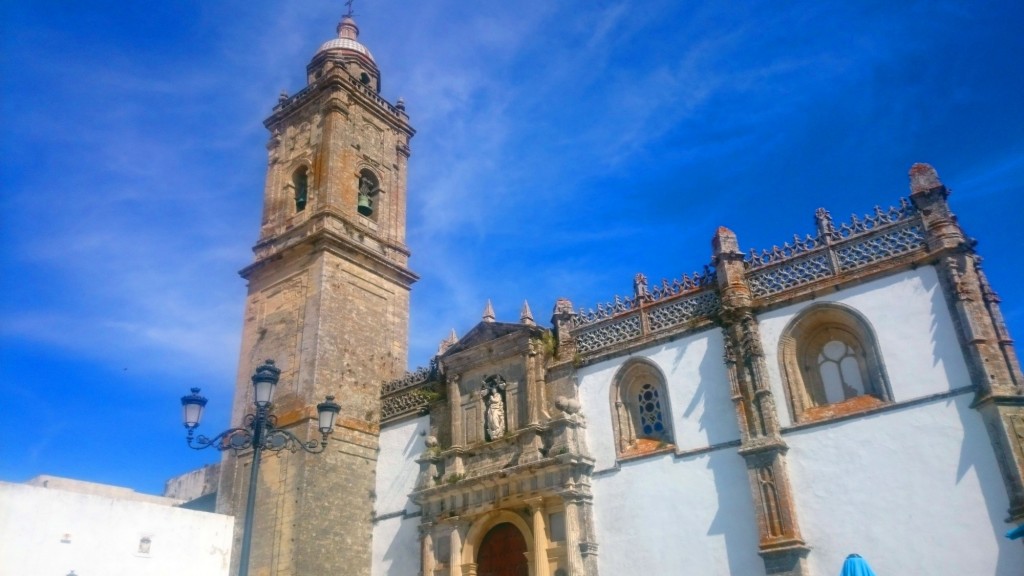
(485, 332)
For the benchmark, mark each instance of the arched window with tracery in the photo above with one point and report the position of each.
(650, 416)
(640, 409)
(831, 363)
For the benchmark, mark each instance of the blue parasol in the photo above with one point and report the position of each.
(856, 566)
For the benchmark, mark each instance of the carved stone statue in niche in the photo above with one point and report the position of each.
(493, 392)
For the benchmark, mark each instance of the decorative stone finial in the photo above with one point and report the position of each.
(725, 244)
(724, 240)
(525, 315)
(823, 222)
(400, 104)
(929, 195)
(563, 306)
(488, 312)
(447, 343)
(640, 288)
(562, 317)
(923, 178)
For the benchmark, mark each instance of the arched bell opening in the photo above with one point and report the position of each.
(369, 189)
(300, 187)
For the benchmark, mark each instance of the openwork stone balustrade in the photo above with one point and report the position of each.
(834, 250)
(408, 394)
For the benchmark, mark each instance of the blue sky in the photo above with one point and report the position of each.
(562, 147)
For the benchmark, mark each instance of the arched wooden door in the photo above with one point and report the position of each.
(502, 553)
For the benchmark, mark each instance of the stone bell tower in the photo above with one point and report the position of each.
(329, 302)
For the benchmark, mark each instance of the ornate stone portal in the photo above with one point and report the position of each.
(503, 462)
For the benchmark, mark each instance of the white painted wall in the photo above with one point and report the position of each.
(698, 395)
(667, 515)
(915, 334)
(396, 547)
(400, 445)
(103, 535)
(913, 491)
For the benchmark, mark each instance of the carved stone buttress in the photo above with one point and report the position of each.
(993, 363)
(761, 445)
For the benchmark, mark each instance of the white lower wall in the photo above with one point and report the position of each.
(663, 515)
(396, 545)
(400, 445)
(913, 491)
(48, 531)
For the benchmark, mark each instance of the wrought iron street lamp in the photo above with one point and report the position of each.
(259, 432)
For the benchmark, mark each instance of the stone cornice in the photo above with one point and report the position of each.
(316, 236)
(504, 475)
(318, 221)
(338, 80)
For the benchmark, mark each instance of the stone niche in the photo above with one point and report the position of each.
(492, 402)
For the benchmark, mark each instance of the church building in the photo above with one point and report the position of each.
(854, 391)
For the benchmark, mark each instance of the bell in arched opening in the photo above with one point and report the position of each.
(369, 187)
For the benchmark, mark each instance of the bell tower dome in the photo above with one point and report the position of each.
(328, 300)
(345, 51)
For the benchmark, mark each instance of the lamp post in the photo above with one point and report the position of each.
(259, 432)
